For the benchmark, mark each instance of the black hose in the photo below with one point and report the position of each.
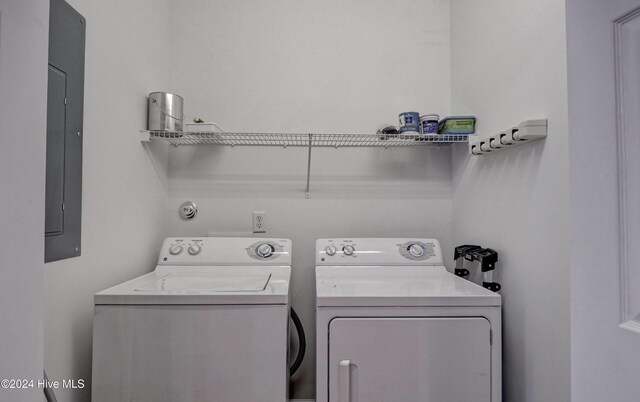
(48, 392)
(302, 343)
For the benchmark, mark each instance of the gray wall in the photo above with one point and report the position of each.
(308, 66)
(327, 66)
(509, 65)
(124, 183)
(24, 32)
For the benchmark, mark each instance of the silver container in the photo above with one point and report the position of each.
(165, 112)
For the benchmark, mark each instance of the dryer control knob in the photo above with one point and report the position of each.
(330, 250)
(194, 249)
(175, 249)
(264, 250)
(348, 249)
(416, 250)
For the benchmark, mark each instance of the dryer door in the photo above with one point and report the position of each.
(410, 359)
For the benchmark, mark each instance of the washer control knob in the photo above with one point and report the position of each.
(194, 249)
(175, 249)
(330, 250)
(348, 249)
(264, 250)
(416, 250)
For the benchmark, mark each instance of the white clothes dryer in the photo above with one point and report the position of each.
(210, 323)
(394, 325)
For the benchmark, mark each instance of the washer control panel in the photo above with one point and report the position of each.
(378, 251)
(338, 249)
(265, 250)
(197, 251)
(184, 246)
(416, 250)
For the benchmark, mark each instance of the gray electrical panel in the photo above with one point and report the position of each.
(63, 205)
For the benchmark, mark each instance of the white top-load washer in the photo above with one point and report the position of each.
(210, 323)
(394, 325)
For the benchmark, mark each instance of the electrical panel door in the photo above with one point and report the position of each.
(63, 205)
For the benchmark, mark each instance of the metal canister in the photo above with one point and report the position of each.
(165, 112)
(409, 121)
(429, 124)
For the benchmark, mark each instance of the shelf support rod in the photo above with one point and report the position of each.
(307, 194)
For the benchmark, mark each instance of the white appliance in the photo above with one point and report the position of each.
(394, 325)
(210, 323)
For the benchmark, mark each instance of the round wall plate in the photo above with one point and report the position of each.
(188, 210)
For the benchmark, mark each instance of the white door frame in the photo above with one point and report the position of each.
(605, 199)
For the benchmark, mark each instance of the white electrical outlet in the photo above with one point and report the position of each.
(259, 222)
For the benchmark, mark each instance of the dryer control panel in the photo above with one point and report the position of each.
(195, 251)
(378, 251)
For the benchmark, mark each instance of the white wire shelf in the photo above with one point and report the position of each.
(308, 140)
(179, 138)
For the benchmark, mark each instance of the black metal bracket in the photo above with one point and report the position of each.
(492, 286)
(486, 256)
(461, 251)
(461, 272)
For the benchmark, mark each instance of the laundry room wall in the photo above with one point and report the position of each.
(306, 66)
(124, 184)
(24, 43)
(509, 65)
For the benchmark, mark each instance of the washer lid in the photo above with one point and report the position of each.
(398, 286)
(207, 283)
(204, 286)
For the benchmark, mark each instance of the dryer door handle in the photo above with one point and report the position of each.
(344, 381)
